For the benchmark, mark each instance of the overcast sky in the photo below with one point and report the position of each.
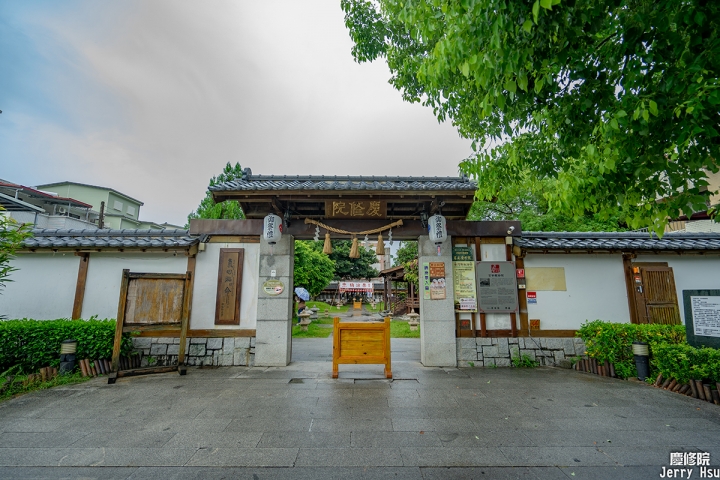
(152, 98)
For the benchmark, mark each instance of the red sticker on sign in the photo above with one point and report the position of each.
(531, 294)
(520, 272)
(494, 268)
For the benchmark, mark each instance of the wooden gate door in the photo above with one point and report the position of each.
(655, 296)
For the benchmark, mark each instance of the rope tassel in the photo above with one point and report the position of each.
(327, 248)
(380, 249)
(354, 253)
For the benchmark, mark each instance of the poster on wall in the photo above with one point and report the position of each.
(497, 289)
(702, 317)
(464, 291)
(437, 281)
(426, 280)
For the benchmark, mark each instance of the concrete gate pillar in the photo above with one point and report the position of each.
(437, 317)
(273, 336)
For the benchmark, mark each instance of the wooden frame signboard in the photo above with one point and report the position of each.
(229, 286)
(153, 302)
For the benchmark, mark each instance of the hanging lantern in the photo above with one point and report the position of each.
(272, 229)
(327, 248)
(437, 230)
(380, 249)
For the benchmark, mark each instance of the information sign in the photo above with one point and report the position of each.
(497, 290)
(702, 317)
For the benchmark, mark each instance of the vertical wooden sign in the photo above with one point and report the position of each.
(229, 286)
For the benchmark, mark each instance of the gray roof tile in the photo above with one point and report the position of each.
(106, 238)
(250, 182)
(626, 241)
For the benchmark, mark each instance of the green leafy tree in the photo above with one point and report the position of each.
(407, 256)
(229, 209)
(12, 235)
(616, 100)
(352, 268)
(313, 270)
(526, 202)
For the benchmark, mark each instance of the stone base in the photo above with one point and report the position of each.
(163, 351)
(498, 352)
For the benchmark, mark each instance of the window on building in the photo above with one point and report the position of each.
(117, 205)
(131, 210)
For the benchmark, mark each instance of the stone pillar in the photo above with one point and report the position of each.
(273, 337)
(437, 317)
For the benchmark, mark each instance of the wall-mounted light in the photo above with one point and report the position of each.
(424, 219)
(510, 230)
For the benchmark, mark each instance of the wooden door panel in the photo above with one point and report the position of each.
(664, 314)
(654, 294)
(659, 285)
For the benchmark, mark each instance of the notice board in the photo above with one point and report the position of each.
(497, 287)
(702, 317)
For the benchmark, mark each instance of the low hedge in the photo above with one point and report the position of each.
(613, 342)
(684, 362)
(33, 344)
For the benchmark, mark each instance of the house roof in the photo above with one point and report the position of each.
(106, 238)
(13, 204)
(618, 241)
(55, 184)
(305, 195)
(46, 197)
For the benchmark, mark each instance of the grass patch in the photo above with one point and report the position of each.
(314, 331)
(332, 308)
(400, 329)
(13, 385)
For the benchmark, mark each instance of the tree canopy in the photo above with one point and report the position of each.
(229, 209)
(614, 100)
(526, 202)
(351, 268)
(313, 269)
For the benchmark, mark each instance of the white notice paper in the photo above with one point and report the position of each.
(706, 315)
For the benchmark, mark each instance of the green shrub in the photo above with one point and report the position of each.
(613, 342)
(683, 362)
(33, 344)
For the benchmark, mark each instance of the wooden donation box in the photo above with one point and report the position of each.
(361, 343)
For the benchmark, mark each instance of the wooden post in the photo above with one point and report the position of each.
(120, 319)
(187, 307)
(80, 286)
(522, 303)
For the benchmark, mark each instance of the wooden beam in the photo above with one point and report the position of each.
(522, 303)
(630, 287)
(170, 332)
(80, 286)
(120, 320)
(234, 239)
(553, 333)
(410, 230)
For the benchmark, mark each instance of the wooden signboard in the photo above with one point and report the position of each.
(150, 302)
(702, 317)
(361, 343)
(229, 286)
(355, 209)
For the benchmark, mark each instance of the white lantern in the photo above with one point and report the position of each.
(272, 229)
(437, 229)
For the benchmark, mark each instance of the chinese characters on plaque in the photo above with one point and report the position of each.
(355, 208)
(227, 303)
(497, 290)
(464, 279)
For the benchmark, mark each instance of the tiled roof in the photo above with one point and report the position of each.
(106, 238)
(626, 241)
(250, 182)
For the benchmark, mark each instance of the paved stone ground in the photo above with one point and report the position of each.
(298, 423)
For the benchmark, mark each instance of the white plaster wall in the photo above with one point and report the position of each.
(102, 290)
(595, 290)
(42, 288)
(494, 321)
(691, 272)
(204, 295)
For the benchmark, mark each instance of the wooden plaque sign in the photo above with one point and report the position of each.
(437, 269)
(355, 208)
(229, 287)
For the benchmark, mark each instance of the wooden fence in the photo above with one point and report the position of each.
(361, 343)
